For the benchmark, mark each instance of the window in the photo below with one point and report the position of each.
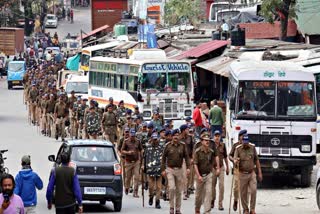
(92, 154)
(85, 60)
(132, 83)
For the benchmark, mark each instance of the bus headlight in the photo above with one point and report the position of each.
(187, 112)
(305, 148)
(275, 165)
(147, 114)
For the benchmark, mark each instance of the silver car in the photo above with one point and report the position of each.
(51, 20)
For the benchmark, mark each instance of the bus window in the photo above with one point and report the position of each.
(85, 60)
(132, 83)
(317, 76)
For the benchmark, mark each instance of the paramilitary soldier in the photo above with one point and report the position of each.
(132, 148)
(109, 124)
(80, 117)
(204, 159)
(236, 170)
(247, 158)
(93, 123)
(152, 166)
(172, 159)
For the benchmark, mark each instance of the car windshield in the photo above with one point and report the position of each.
(85, 60)
(77, 87)
(174, 80)
(296, 99)
(74, 44)
(256, 98)
(92, 154)
(15, 67)
(50, 17)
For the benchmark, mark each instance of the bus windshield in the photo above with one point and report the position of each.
(85, 60)
(16, 67)
(294, 99)
(77, 87)
(173, 77)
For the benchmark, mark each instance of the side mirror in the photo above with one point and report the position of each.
(52, 158)
(232, 103)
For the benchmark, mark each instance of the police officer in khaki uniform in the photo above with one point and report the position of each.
(126, 135)
(132, 149)
(172, 159)
(204, 159)
(49, 111)
(247, 158)
(33, 94)
(59, 114)
(224, 168)
(236, 170)
(109, 124)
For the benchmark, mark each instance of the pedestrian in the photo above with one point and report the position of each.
(65, 183)
(216, 118)
(152, 166)
(224, 168)
(132, 149)
(27, 181)
(236, 170)
(196, 116)
(71, 15)
(109, 124)
(171, 167)
(10, 202)
(247, 160)
(204, 159)
(157, 122)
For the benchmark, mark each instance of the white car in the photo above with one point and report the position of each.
(51, 20)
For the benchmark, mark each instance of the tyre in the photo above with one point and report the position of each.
(102, 202)
(117, 205)
(306, 177)
(9, 85)
(318, 196)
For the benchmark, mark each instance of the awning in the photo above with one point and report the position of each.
(218, 65)
(203, 49)
(84, 35)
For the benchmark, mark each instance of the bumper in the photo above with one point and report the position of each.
(114, 190)
(51, 25)
(15, 82)
(286, 164)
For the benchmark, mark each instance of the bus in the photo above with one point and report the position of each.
(276, 103)
(151, 84)
(93, 51)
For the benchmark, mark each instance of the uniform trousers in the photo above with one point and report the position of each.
(215, 179)
(175, 183)
(60, 127)
(132, 170)
(204, 193)
(236, 184)
(248, 182)
(155, 184)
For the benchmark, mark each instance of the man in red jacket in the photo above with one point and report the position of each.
(196, 116)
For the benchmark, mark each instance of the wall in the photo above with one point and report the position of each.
(267, 30)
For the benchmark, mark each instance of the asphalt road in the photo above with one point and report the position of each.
(276, 195)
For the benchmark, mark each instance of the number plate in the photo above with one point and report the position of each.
(95, 190)
(15, 82)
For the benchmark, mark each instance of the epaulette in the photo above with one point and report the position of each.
(198, 149)
(252, 144)
(183, 143)
(239, 146)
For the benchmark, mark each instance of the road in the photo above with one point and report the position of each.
(277, 195)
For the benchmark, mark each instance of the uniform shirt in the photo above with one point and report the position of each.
(204, 159)
(93, 122)
(59, 109)
(222, 153)
(173, 155)
(109, 119)
(132, 145)
(16, 205)
(33, 94)
(233, 149)
(189, 144)
(248, 157)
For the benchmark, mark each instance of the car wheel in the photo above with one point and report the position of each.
(9, 85)
(306, 177)
(318, 196)
(102, 202)
(117, 205)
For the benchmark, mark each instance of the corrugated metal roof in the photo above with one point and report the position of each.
(217, 65)
(93, 32)
(203, 49)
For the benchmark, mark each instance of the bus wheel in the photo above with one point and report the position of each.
(306, 176)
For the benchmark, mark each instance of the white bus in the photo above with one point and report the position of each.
(148, 83)
(276, 103)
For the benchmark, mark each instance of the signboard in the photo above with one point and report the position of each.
(271, 74)
(164, 67)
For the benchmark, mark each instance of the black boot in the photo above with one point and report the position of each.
(158, 204)
(150, 200)
(146, 185)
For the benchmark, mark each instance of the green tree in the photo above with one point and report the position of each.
(283, 9)
(9, 13)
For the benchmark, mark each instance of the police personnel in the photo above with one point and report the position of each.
(247, 159)
(109, 124)
(33, 94)
(49, 110)
(172, 159)
(152, 166)
(204, 159)
(222, 154)
(80, 117)
(59, 114)
(132, 148)
(236, 170)
(93, 123)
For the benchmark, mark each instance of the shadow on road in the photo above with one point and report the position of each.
(97, 208)
(280, 182)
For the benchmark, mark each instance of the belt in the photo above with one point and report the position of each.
(131, 161)
(204, 175)
(174, 167)
(60, 117)
(246, 172)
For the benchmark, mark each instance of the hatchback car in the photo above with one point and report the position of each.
(98, 170)
(51, 21)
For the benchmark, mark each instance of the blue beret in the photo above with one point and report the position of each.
(168, 132)
(216, 132)
(144, 124)
(242, 132)
(129, 111)
(204, 130)
(132, 132)
(150, 125)
(175, 131)
(183, 127)
(162, 130)
(154, 136)
(168, 121)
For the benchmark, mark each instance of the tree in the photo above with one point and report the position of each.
(9, 13)
(281, 9)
